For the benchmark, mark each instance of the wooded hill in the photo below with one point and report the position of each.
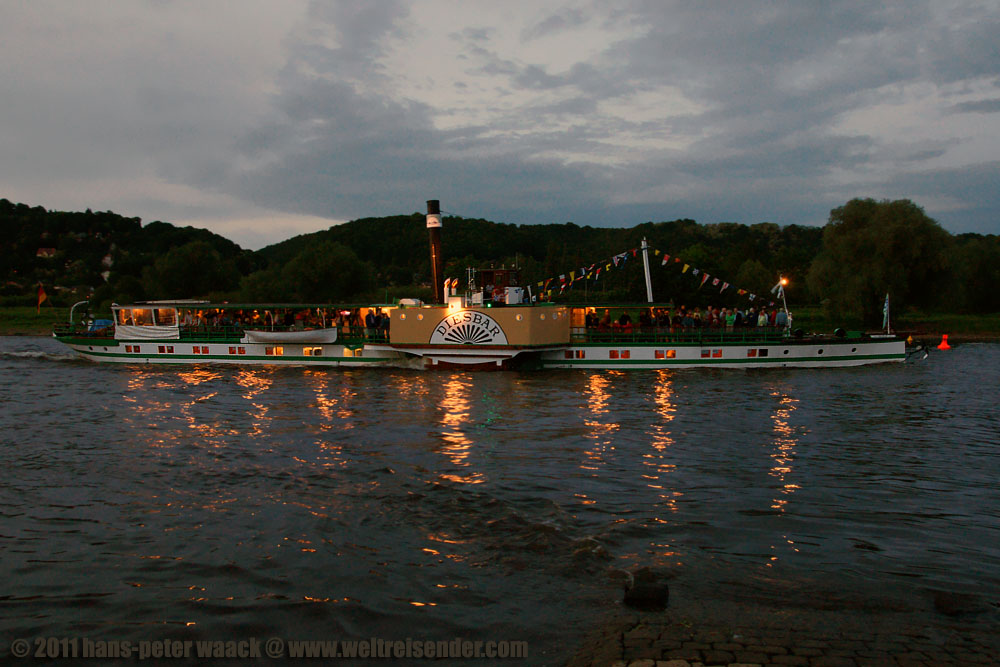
(866, 249)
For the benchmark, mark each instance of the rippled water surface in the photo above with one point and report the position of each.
(219, 502)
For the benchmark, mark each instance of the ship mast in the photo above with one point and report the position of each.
(645, 265)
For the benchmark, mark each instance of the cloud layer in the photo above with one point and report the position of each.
(263, 119)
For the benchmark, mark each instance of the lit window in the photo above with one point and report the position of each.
(626, 354)
(671, 354)
(402, 316)
(762, 352)
(204, 349)
(232, 349)
(195, 350)
(581, 354)
(128, 348)
(170, 349)
(716, 354)
(242, 350)
(569, 354)
(312, 351)
(659, 354)
(161, 349)
(135, 348)
(274, 351)
(752, 352)
(612, 354)
(705, 354)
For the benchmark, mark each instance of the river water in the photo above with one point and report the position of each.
(223, 503)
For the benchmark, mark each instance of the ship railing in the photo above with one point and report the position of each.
(230, 332)
(83, 330)
(210, 332)
(695, 336)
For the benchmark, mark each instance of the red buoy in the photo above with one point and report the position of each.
(944, 343)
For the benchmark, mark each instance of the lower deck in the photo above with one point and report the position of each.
(633, 352)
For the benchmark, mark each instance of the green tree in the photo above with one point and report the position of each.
(754, 276)
(327, 272)
(191, 270)
(871, 248)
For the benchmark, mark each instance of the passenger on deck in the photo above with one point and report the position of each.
(751, 318)
(781, 319)
(645, 321)
(605, 322)
(762, 318)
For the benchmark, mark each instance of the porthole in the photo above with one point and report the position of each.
(420, 316)
(402, 316)
(786, 351)
(542, 316)
(518, 317)
(820, 352)
(854, 349)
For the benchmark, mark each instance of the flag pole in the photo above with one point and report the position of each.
(645, 264)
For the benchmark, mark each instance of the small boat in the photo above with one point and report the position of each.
(493, 323)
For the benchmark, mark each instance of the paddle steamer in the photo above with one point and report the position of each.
(491, 323)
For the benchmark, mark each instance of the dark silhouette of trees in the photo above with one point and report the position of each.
(871, 248)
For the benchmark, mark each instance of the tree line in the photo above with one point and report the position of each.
(866, 249)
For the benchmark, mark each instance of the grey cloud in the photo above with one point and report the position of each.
(763, 145)
(980, 106)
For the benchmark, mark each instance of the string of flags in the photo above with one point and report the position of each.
(565, 281)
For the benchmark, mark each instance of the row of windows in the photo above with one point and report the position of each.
(275, 351)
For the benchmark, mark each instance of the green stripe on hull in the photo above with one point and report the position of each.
(208, 358)
(663, 363)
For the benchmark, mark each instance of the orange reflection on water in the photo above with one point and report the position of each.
(456, 407)
(599, 420)
(255, 381)
(785, 442)
(662, 440)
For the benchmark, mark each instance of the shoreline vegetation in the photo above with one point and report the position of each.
(924, 328)
(938, 282)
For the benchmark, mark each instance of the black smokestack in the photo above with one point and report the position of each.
(437, 263)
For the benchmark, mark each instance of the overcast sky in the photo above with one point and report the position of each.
(261, 119)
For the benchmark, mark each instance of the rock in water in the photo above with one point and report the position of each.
(957, 604)
(646, 591)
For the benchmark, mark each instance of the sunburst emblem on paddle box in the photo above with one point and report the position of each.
(468, 327)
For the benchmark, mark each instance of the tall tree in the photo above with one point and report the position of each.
(871, 248)
(191, 270)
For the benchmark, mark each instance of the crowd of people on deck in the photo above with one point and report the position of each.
(684, 319)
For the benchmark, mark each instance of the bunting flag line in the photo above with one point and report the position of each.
(619, 260)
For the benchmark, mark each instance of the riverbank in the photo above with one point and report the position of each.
(960, 631)
(30, 321)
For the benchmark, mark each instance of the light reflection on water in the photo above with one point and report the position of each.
(388, 502)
